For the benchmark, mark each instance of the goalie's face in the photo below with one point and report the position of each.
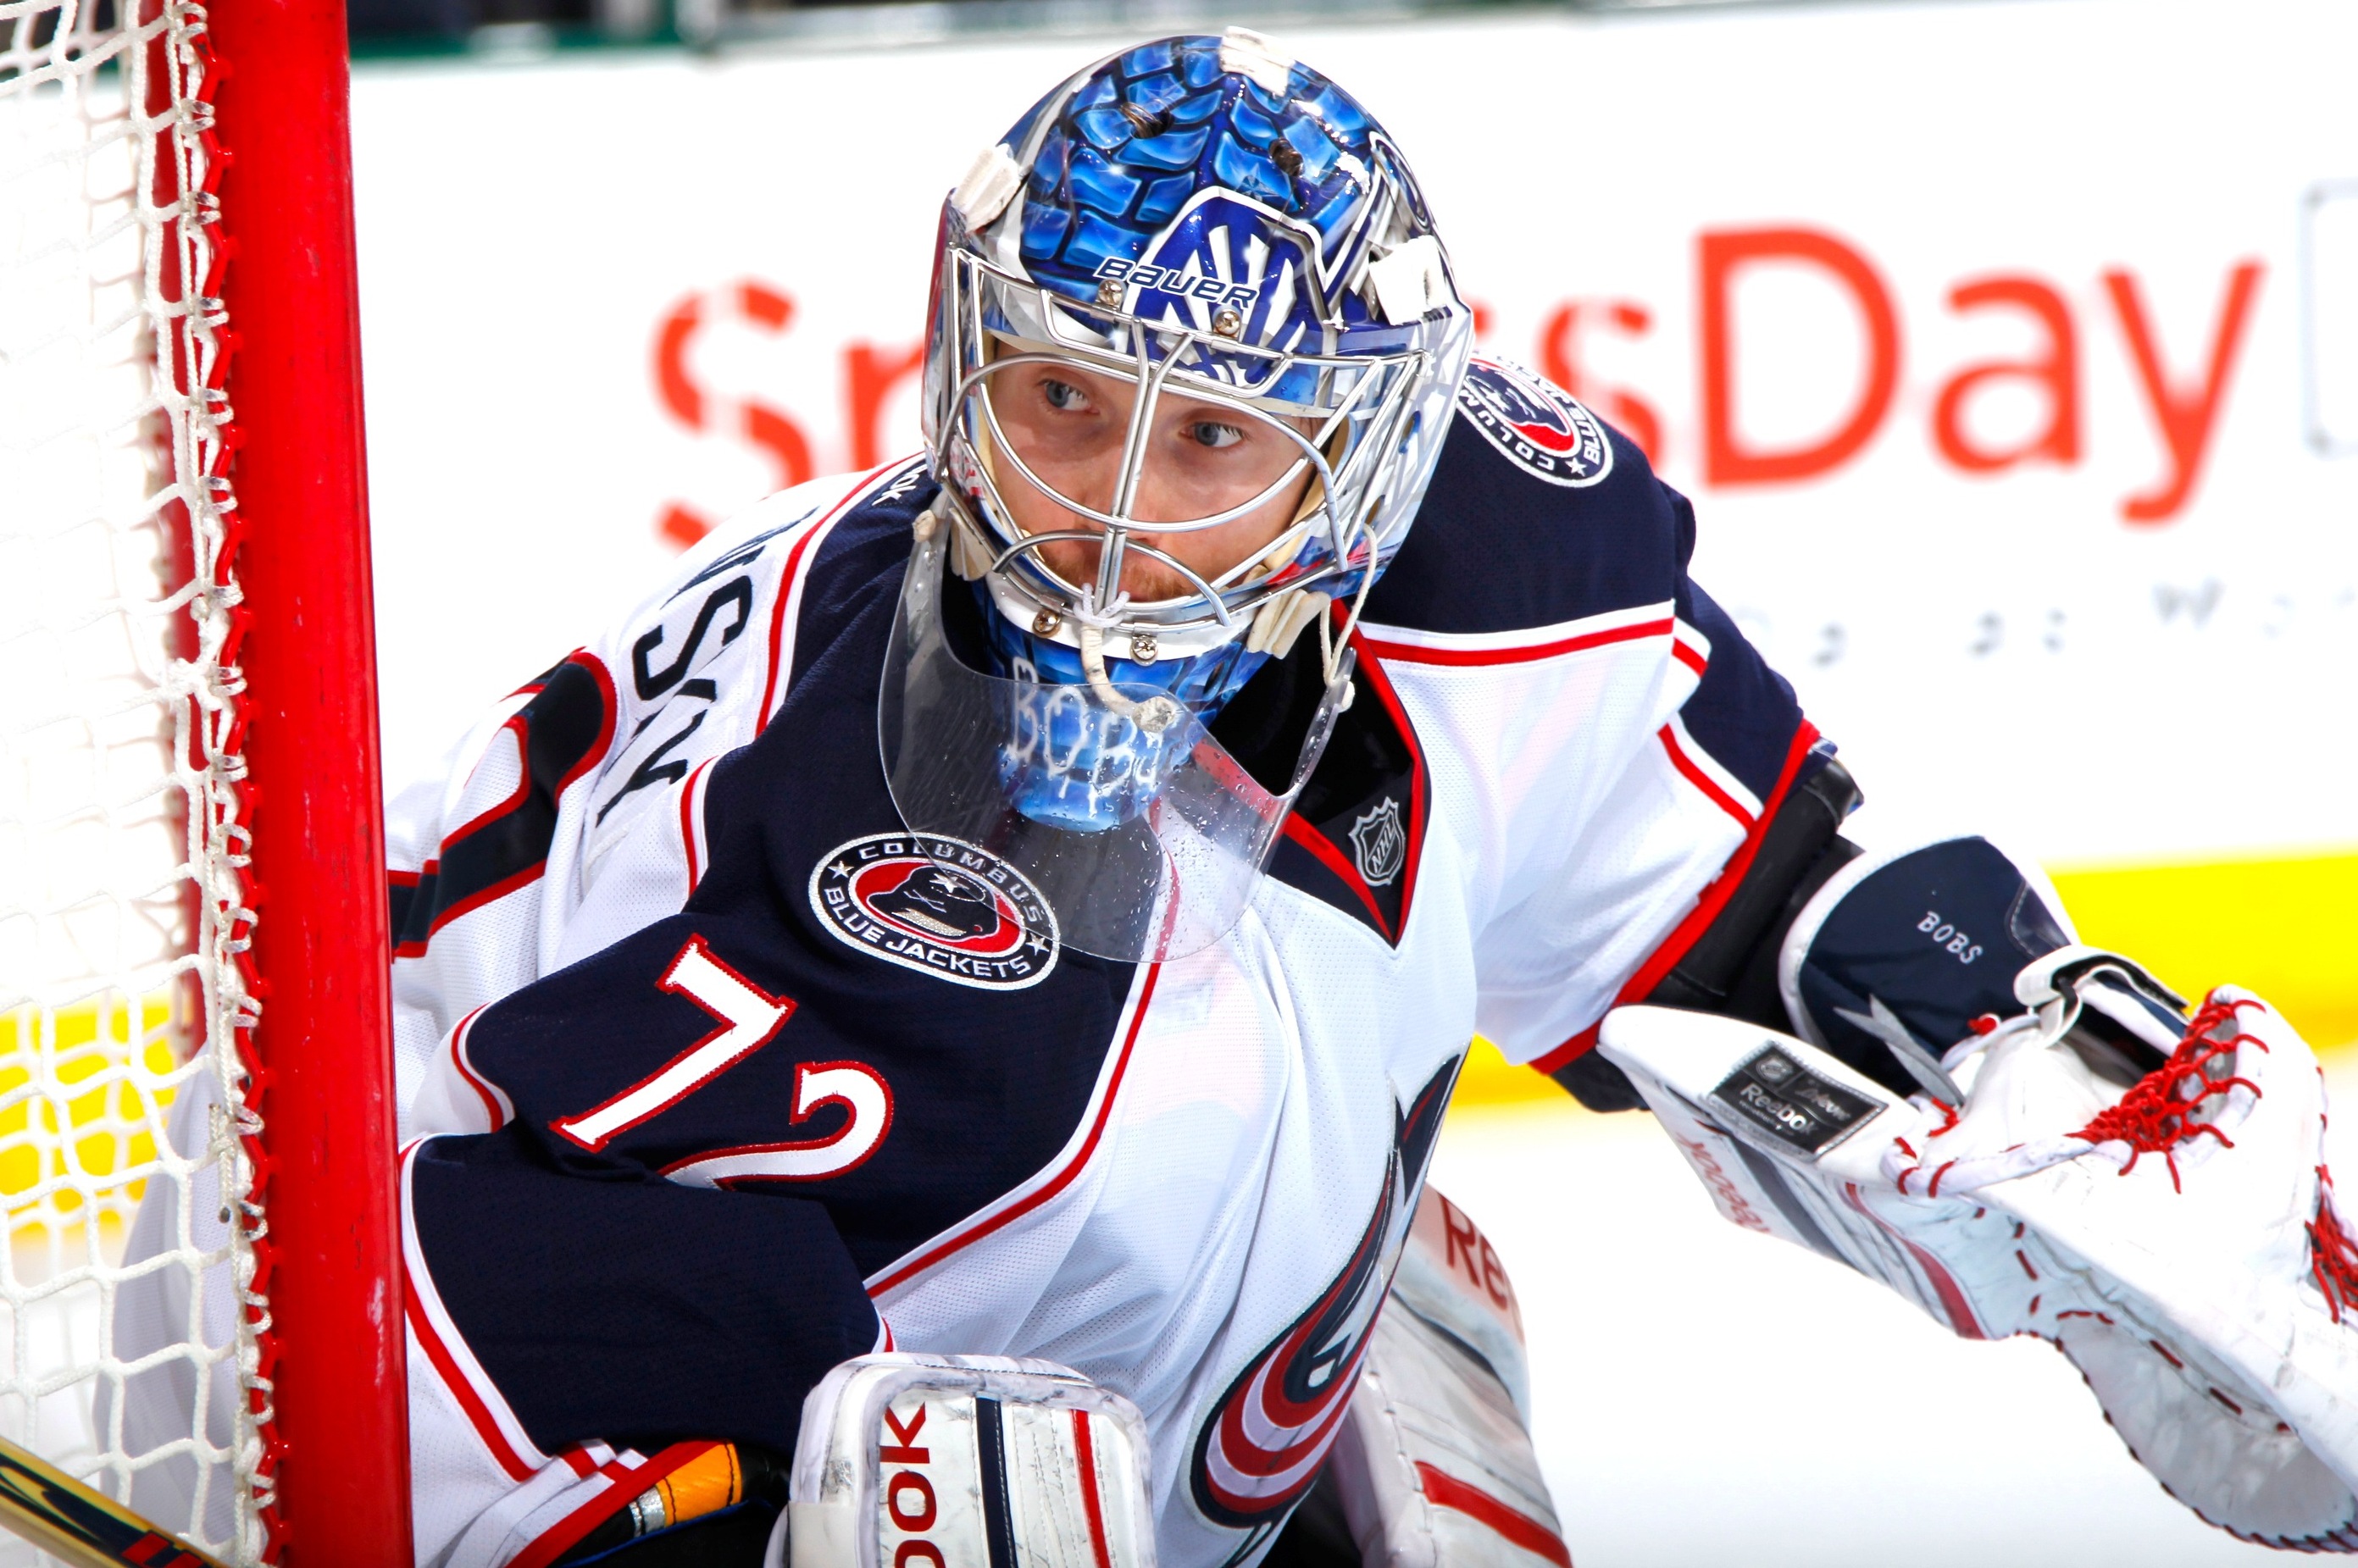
(1071, 431)
(1192, 354)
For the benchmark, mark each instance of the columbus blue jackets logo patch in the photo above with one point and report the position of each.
(937, 905)
(1539, 425)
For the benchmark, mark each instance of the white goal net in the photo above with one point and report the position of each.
(123, 902)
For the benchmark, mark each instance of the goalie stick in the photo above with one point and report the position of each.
(71, 1522)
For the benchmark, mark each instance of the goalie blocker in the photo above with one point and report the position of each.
(1907, 1064)
(908, 1461)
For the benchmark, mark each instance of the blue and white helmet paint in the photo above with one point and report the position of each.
(1206, 216)
(1201, 217)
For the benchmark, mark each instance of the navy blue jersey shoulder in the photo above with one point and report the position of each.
(1512, 536)
(845, 1042)
(858, 564)
(1499, 545)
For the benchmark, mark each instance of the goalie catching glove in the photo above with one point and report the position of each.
(2172, 1232)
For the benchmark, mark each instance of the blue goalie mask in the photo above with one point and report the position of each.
(1202, 219)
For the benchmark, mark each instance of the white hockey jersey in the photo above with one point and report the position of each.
(713, 1075)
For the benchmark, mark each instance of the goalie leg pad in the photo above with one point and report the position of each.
(1435, 1465)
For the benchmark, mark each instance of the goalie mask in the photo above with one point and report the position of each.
(1199, 223)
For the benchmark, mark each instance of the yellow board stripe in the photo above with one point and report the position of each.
(2286, 926)
(84, 1091)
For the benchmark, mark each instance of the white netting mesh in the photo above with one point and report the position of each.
(121, 908)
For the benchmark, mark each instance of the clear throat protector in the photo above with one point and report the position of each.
(1141, 831)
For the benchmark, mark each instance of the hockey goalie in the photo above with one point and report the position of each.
(920, 1047)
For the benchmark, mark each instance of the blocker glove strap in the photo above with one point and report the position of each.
(908, 1461)
(2173, 1234)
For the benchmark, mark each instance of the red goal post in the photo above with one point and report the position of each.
(192, 904)
(321, 945)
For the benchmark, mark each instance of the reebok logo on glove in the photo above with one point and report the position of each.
(1782, 1098)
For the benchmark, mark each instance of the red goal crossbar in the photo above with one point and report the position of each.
(323, 1044)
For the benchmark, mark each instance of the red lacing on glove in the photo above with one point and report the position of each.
(2158, 1112)
(2332, 1259)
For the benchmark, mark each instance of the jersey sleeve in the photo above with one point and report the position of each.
(631, 1312)
(1639, 879)
(1608, 743)
(468, 851)
(582, 1289)
(568, 1338)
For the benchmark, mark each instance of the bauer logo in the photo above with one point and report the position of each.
(1539, 425)
(939, 906)
(1175, 281)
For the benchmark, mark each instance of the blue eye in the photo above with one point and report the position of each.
(1063, 394)
(1205, 433)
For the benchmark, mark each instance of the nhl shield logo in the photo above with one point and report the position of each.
(937, 905)
(1379, 843)
(1539, 427)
